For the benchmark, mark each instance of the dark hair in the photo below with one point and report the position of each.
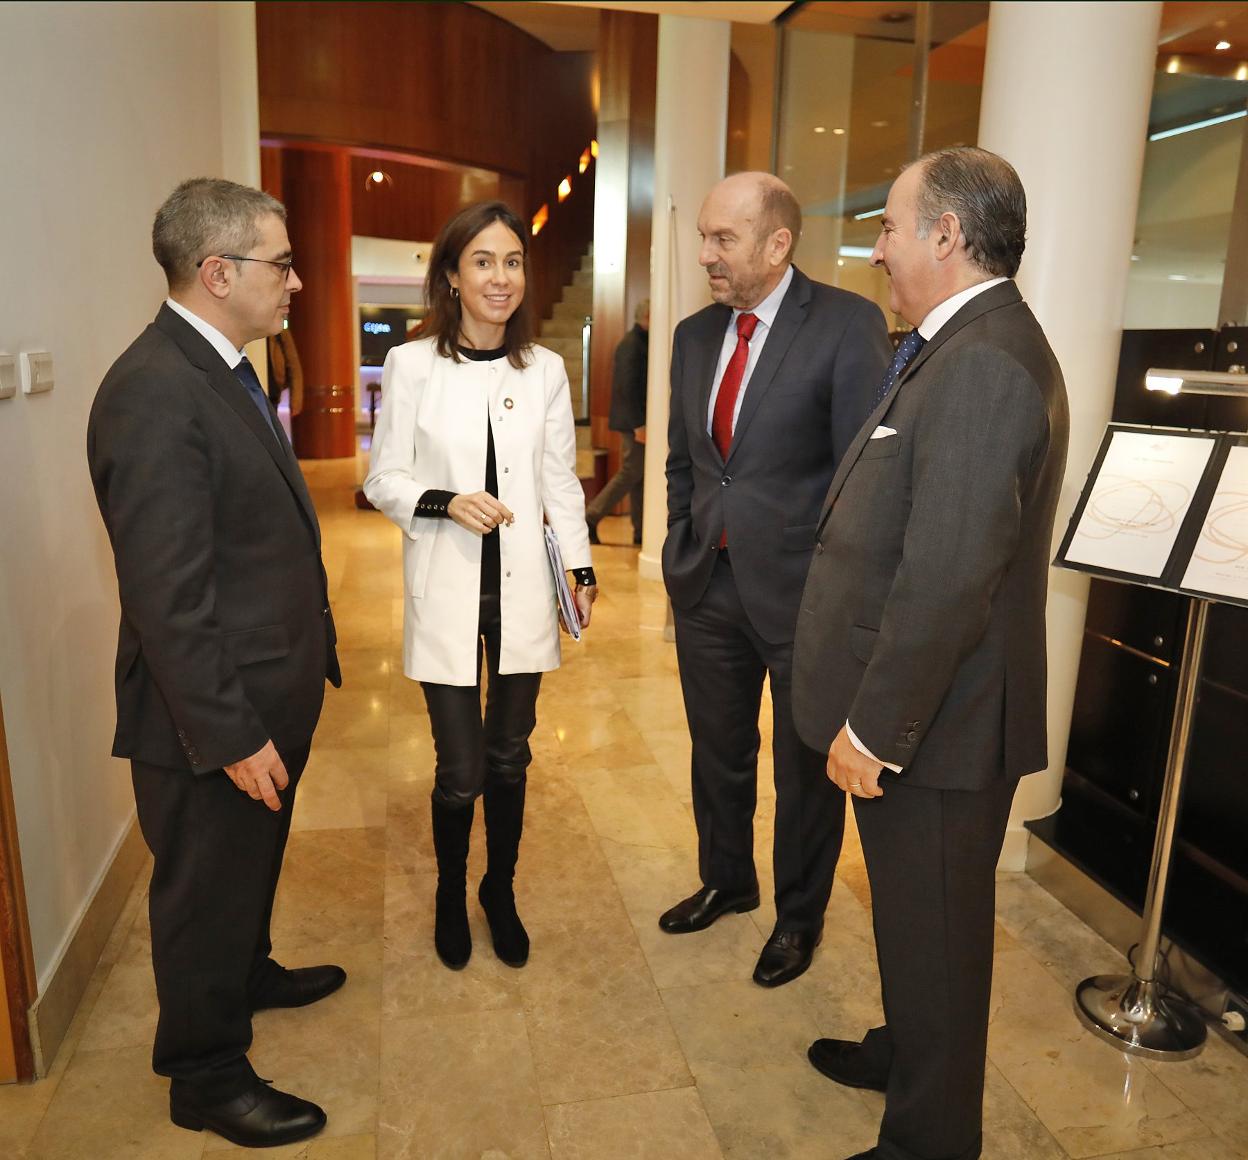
(985, 194)
(207, 215)
(779, 209)
(442, 321)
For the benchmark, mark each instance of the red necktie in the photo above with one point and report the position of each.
(729, 389)
(730, 385)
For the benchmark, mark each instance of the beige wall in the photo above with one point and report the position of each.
(103, 109)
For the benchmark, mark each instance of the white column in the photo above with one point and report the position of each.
(1065, 100)
(690, 133)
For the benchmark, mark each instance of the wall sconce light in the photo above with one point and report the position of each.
(593, 148)
(377, 179)
(583, 164)
(539, 219)
(565, 188)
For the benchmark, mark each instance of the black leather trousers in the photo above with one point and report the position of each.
(472, 750)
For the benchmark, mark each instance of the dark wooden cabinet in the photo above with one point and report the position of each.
(1124, 705)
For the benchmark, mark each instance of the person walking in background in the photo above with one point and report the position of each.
(474, 445)
(628, 417)
(226, 643)
(769, 386)
(920, 657)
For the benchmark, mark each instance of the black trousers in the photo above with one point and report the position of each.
(722, 665)
(931, 859)
(628, 481)
(469, 749)
(218, 854)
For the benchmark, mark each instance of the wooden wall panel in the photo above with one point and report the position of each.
(17, 964)
(447, 80)
(417, 201)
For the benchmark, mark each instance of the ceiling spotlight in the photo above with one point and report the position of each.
(838, 132)
(1222, 46)
(820, 129)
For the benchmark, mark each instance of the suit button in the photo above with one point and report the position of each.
(725, 481)
(911, 737)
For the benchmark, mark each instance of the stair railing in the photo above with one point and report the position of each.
(586, 338)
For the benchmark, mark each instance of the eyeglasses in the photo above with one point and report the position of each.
(285, 266)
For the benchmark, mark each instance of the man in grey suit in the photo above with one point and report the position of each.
(920, 654)
(769, 385)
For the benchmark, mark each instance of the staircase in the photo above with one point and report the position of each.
(562, 334)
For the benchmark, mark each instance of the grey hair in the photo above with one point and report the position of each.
(985, 194)
(205, 216)
(642, 311)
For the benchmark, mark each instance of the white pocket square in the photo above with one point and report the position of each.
(882, 433)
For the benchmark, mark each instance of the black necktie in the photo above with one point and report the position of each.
(906, 350)
(247, 376)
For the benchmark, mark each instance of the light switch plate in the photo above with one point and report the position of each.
(8, 375)
(36, 371)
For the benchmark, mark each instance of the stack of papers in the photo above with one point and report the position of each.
(567, 606)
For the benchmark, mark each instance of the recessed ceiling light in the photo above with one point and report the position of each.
(1222, 45)
(879, 124)
(820, 129)
(840, 261)
(1177, 277)
(838, 132)
(377, 175)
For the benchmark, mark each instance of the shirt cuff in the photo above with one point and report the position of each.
(434, 504)
(858, 745)
(584, 577)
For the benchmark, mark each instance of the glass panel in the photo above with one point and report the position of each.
(1187, 196)
(846, 93)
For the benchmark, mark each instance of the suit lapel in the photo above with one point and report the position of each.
(704, 369)
(788, 321)
(226, 383)
(1006, 294)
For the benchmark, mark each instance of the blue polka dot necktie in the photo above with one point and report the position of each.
(908, 348)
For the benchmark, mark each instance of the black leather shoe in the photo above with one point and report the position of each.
(786, 955)
(698, 911)
(299, 986)
(261, 1117)
(842, 1060)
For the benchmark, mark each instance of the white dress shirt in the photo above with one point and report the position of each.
(928, 329)
(765, 312)
(222, 345)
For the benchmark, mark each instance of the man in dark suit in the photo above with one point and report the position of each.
(769, 385)
(226, 641)
(920, 657)
(628, 417)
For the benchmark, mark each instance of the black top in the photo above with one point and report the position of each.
(628, 381)
(435, 502)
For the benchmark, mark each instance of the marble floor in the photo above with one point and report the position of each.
(616, 1042)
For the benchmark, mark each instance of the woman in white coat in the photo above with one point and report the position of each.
(474, 445)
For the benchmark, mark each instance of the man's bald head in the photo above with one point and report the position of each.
(750, 224)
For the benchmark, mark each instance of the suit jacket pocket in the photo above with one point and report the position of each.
(883, 448)
(799, 538)
(862, 641)
(253, 645)
(417, 556)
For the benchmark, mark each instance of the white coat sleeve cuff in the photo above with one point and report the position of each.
(858, 745)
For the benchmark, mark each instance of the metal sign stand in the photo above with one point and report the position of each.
(1133, 1011)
